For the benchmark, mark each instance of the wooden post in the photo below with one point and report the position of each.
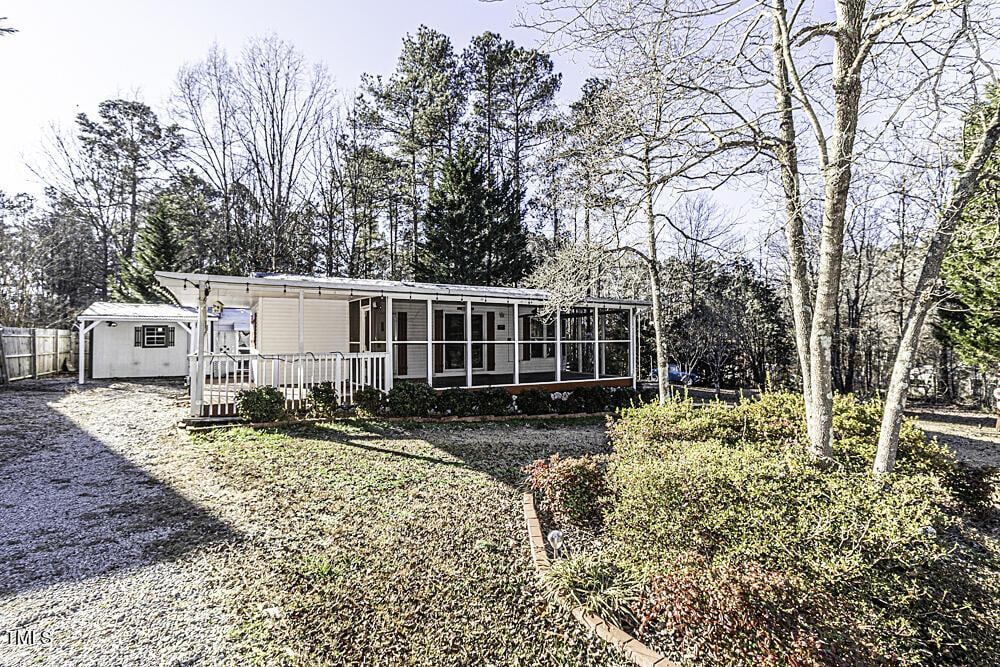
(34, 354)
(3, 360)
(517, 351)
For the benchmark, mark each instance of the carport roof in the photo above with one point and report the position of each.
(239, 291)
(106, 310)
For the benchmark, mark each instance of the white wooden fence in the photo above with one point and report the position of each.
(295, 375)
(33, 353)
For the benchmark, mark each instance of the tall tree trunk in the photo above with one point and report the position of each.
(655, 284)
(837, 173)
(925, 293)
(414, 245)
(787, 152)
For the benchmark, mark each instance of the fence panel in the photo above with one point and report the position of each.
(31, 353)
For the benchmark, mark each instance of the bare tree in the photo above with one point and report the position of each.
(763, 69)
(927, 290)
(205, 104)
(282, 104)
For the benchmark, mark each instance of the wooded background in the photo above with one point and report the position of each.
(460, 166)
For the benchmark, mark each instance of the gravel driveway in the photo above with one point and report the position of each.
(115, 533)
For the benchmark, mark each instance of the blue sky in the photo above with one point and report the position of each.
(71, 54)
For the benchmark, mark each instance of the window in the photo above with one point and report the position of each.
(154, 336)
(539, 330)
(454, 329)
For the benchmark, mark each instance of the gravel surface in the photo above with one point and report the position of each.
(115, 532)
(972, 435)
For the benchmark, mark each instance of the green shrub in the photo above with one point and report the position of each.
(623, 397)
(369, 402)
(586, 399)
(324, 399)
(736, 488)
(649, 395)
(654, 430)
(534, 402)
(260, 404)
(493, 401)
(456, 402)
(411, 399)
(596, 584)
(573, 490)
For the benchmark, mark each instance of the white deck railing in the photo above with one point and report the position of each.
(294, 374)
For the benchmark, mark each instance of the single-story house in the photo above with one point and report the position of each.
(303, 330)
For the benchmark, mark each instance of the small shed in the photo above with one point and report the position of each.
(135, 340)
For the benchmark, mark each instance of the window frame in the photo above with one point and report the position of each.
(156, 332)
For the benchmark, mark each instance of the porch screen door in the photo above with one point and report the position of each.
(491, 352)
(438, 335)
(401, 350)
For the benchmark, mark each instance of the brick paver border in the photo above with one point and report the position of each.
(634, 650)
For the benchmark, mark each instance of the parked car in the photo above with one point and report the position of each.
(676, 376)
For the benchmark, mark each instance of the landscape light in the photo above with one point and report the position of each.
(555, 539)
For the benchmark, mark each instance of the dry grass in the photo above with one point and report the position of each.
(389, 544)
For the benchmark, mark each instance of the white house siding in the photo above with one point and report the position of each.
(116, 356)
(277, 325)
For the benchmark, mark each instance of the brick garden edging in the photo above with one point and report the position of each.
(633, 649)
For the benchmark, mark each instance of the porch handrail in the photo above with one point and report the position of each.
(293, 373)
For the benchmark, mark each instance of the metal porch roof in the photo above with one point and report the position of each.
(107, 310)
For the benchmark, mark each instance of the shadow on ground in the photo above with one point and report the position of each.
(73, 502)
(499, 449)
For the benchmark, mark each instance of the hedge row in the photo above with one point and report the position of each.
(417, 399)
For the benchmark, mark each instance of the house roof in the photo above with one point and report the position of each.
(265, 282)
(106, 310)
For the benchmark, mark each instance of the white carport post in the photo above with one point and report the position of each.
(198, 381)
(558, 345)
(517, 348)
(302, 323)
(632, 366)
(84, 328)
(468, 343)
(389, 338)
(430, 341)
(597, 343)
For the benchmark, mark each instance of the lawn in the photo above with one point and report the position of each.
(381, 544)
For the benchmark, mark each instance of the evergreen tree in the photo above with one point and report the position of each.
(158, 249)
(474, 235)
(419, 107)
(970, 318)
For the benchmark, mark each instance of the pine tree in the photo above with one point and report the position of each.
(474, 235)
(969, 320)
(158, 249)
